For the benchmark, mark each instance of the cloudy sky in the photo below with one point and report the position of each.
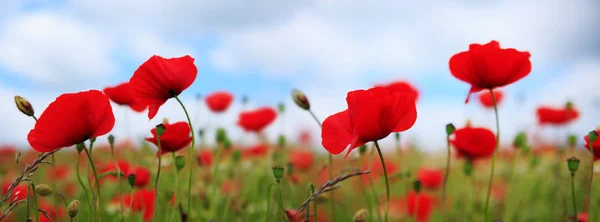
(264, 48)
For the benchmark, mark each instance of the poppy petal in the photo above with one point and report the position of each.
(337, 132)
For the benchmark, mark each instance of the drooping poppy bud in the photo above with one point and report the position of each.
(24, 106)
(278, 173)
(111, 140)
(131, 179)
(360, 215)
(417, 186)
(573, 164)
(179, 162)
(450, 129)
(201, 133)
(300, 99)
(73, 209)
(43, 190)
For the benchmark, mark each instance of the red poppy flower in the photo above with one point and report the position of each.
(371, 115)
(256, 120)
(582, 217)
(219, 101)
(431, 178)
(294, 216)
(142, 176)
(205, 158)
(402, 86)
(71, 119)
(305, 137)
(420, 205)
(7, 151)
(143, 201)
(474, 143)
(159, 79)
(123, 166)
(256, 151)
(176, 136)
(60, 172)
(486, 99)
(19, 192)
(556, 117)
(377, 170)
(121, 94)
(49, 208)
(595, 146)
(489, 66)
(302, 160)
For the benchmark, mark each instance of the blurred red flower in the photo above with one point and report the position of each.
(595, 146)
(256, 120)
(431, 178)
(71, 119)
(159, 79)
(176, 137)
(58, 172)
(219, 101)
(371, 115)
(486, 98)
(377, 170)
(402, 86)
(7, 151)
(142, 176)
(489, 66)
(205, 158)
(556, 117)
(121, 94)
(420, 205)
(256, 151)
(294, 216)
(582, 217)
(19, 192)
(302, 160)
(305, 137)
(143, 201)
(474, 143)
(123, 166)
(49, 208)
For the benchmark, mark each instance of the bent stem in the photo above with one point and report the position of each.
(446, 178)
(190, 153)
(112, 154)
(489, 188)
(387, 183)
(99, 196)
(573, 194)
(158, 174)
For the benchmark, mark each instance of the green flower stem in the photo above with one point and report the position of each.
(573, 194)
(35, 202)
(131, 201)
(158, 175)
(446, 174)
(311, 190)
(85, 191)
(112, 154)
(191, 155)
(589, 206)
(54, 188)
(489, 188)
(280, 202)
(268, 202)
(99, 195)
(330, 158)
(387, 183)
(176, 190)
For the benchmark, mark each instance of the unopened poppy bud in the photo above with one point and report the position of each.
(468, 168)
(450, 129)
(160, 129)
(24, 106)
(300, 99)
(281, 107)
(227, 144)
(573, 164)
(93, 140)
(417, 186)
(131, 179)
(572, 141)
(520, 140)
(362, 149)
(179, 162)
(236, 156)
(111, 139)
(220, 135)
(281, 140)
(360, 215)
(278, 173)
(73, 209)
(593, 136)
(43, 190)
(79, 147)
(397, 136)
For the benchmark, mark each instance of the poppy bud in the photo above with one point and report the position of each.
(43, 190)
(73, 209)
(360, 215)
(281, 140)
(93, 140)
(397, 136)
(24, 106)
(227, 144)
(278, 173)
(468, 168)
(79, 147)
(520, 140)
(573, 164)
(450, 129)
(300, 99)
(179, 162)
(111, 140)
(281, 107)
(221, 135)
(201, 132)
(362, 149)
(593, 136)
(236, 156)
(572, 141)
(417, 186)
(131, 179)
(160, 129)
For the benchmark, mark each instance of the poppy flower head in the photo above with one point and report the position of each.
(486, 98)
(256, 120)
(121, 94)
(176, 137)
(420, 205)
(71, 119)
(19, 192)
(431, 178)
(219, 101)
(489, 66)
(402, 86)
(371, 115)
(302, 160)
(256, 151)
(205, 158)
(159, 79)
(474, 143)
(59, 172)
(122, 165)
(595, 145)
(556, 117)
(142, 176)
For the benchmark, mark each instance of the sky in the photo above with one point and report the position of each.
(262, 49)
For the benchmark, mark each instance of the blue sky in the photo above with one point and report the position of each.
(264, 48)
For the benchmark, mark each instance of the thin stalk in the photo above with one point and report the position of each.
(54, 188)
(158, 174)
(35, 203)
(99, 196)
(191, 155)
(216, 161)
(268, 202)
(387, 183)
(112, 154)
(280, 201)
(573, 194)
(446, 178)
(330, 158)
(176, 190)
(85, 191)
(489, 188)
(28, 202)
(311, 190)
(131, 201)
(590, 184)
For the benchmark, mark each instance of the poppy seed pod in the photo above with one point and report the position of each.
(569, 105)
(220, 135)
(573, 164)
(24, 106)
(593, 136)
(360, 215)
(73, 209)
(278, 173)
(417, 186)
(450, 129)
(300, 99)
(131, 179)
(160, 129)
(201, 132)
(43, 190)
(111, 139)
(179, 162)
(520, 140)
